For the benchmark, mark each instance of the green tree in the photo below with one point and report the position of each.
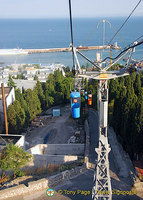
(16, 117)
(13, 158)
(20, 76)
(33, 103)
(137, 85)
(20, 98)
(67, 69)
(66, 86)
(50, 83)
(58, 76)
(39, 91)
(20, 116)
(11, 82)
(36, 78)
(49, 100)
(11, 117)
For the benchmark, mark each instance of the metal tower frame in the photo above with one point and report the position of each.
(102, 183)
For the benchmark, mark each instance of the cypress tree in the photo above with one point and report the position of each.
(16, 117)
(33, 103)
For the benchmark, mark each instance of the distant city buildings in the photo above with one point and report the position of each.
(28, 73)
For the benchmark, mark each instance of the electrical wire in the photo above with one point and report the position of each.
(125, 21)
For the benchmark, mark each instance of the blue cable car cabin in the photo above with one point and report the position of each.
(86, 95)
(75, 104)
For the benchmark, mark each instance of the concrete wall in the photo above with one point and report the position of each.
(138, 188)
(44, 183)
(21, 142)
(57, 149)
(44, 160)
(20, 139)
(1, 106)
(22, 189)
(86, 153)
(44, 154)
(10, 98)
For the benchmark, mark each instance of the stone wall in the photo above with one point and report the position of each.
(44, 183)
(122, 160)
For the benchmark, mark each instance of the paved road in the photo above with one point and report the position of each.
(79, 188)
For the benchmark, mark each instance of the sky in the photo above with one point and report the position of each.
(59, 8)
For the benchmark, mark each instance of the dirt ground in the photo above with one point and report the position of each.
(59, 129)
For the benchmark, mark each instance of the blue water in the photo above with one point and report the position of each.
(52, 33)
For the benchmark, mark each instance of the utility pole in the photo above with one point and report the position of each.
(4, 109)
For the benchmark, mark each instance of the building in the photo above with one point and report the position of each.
(17, 140)
(26, 84)
(9, 97)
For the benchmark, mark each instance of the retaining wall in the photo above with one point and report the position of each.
(86, 153)
(44, 160)
(44, 183)
(57, 149)
(122, 160)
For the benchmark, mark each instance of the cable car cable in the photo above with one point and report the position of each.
(125, 21)
(119, 50)
(139, 43)
(71, 29)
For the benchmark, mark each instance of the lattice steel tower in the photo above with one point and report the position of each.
(102, 183)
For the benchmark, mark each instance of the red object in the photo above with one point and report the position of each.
(90, 99)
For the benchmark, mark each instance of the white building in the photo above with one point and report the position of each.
(9, 97)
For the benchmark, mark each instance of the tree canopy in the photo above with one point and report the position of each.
(13, 158)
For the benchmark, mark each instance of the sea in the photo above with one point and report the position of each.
(55, 33)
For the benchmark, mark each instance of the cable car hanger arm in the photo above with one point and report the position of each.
(108, 67)
(98, 68)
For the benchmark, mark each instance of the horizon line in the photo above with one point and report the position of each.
(68, 18)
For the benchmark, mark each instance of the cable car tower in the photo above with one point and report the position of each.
(102, 182)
